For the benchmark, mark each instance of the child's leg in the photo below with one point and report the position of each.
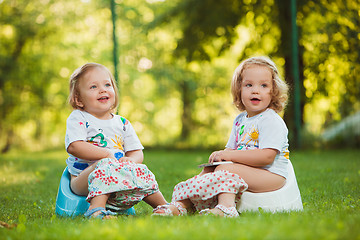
(207, 170)
(99, 201)
(258, 179)
(79, 184)
(155, 199)
(226, 200)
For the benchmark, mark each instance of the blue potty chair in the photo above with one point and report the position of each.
(69, 204)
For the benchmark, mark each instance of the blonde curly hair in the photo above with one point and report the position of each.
(279, 92)
(78, 74)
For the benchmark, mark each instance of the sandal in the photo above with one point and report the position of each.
(229, 212)
(103, 213)
(167, 210)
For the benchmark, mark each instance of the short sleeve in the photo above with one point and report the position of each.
(273, 132)
(131, 140)
(75, 128)
(232, 139)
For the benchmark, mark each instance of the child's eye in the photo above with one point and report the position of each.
(264, 85)
(92, 87)
(248, 85)
(107, 85)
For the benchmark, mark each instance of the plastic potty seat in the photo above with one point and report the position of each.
(286, 199)
(69, 204)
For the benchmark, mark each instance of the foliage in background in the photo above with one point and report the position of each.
(330, 48)
(174, 77)
(41, 45)
(331, 41)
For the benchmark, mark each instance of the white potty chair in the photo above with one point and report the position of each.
(286, 199)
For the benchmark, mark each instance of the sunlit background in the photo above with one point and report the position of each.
(175, 63)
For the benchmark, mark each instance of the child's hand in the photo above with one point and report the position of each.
(216, 156)
(110, 155)
(126, 159)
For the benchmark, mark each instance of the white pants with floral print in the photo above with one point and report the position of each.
(127, 182)
(203, 190)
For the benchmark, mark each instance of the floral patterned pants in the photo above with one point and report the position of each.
(127, 182)
(203, 190)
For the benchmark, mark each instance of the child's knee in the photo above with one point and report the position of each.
(225, 167)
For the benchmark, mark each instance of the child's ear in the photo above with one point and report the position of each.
(78, 101)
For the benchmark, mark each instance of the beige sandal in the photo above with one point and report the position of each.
(167, 210)
(229, 212)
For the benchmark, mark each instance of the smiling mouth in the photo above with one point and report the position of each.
(103, 98)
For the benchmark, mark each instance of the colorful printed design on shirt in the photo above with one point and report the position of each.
(240, 132)
(286, 153)
(254, 136)
(119, 142)
(249, 139)
(118, 155)
(86, 124)
(125, 122)
(98, 140)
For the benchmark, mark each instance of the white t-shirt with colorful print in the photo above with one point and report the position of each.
(265, 130)
(116, 134)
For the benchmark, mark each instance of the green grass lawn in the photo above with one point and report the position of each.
(329, 183)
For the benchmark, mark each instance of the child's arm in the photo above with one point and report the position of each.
(88, 151)
(135, 156)
(254, 157)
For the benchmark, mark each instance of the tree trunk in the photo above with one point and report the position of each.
(8, 143)
(186, 119)
(285, 25)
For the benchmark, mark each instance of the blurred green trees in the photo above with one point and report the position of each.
(42, 42)
(176, 59)
(209, 30)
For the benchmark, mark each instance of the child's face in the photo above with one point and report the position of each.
(97, 95)
(256, 89)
